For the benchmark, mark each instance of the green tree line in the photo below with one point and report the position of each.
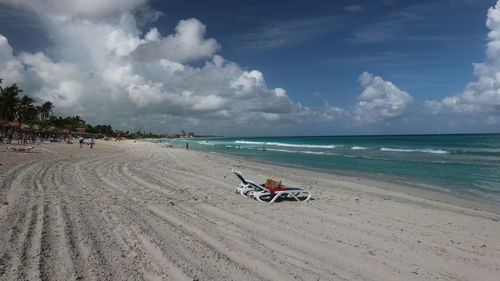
(13, 107)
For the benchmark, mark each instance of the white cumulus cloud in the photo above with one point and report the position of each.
(109, 70)
(187, 44)
(483, 96)
(103, 67)
(93, 10)
(380, 100)
(10, 66)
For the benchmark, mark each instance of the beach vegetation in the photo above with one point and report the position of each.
(24, 110)
(45, 110)
(9, 102)
(14, 108)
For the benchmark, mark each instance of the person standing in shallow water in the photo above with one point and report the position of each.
(187, 145)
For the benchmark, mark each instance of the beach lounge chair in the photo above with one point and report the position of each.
(21, 149)
(274, 193)
(245, 185)
(261, 192)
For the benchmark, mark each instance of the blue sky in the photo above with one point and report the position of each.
(259, 68)
(426, 47)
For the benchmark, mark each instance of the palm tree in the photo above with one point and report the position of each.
(46, 110)
(77, 120)
(9, 102)
(26, 110)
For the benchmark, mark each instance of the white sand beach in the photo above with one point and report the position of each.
(139, 211)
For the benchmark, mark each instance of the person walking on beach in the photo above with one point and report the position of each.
(9, 135)
(187, 145)
(91, 142)
(80, 139)
(24, 139)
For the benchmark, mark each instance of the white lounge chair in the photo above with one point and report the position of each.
(260, 192)
(245, 185)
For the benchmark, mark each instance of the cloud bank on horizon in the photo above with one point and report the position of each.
(103, 67)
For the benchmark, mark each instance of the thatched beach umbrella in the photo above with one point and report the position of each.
(25, 127)
(13, 124)
(49, 129)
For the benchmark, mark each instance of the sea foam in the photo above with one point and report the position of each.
(438, 151)
(206, 143)
(297, 151)
(287, 144)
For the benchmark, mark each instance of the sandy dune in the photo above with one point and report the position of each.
(136, 211)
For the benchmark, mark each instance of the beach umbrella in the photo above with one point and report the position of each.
(35, 129)
(25, 127)
(13, 124)
(49, 129)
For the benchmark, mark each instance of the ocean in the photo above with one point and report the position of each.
(463, 165)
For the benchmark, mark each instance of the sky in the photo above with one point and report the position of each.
(260, 68)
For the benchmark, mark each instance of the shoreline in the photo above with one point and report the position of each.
(398, 184)
(382, 181)
(455, 180)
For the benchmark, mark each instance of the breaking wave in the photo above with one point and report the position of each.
(287, 144)
(436, 151)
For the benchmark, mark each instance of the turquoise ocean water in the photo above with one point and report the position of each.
(464, 165)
